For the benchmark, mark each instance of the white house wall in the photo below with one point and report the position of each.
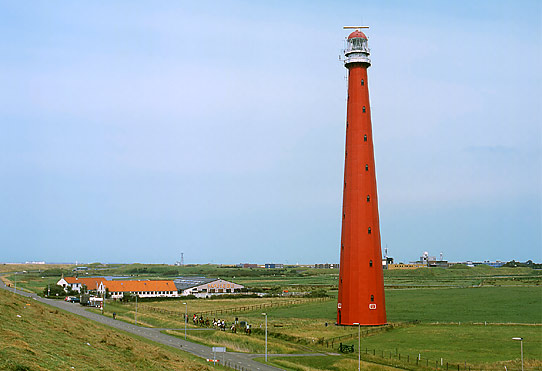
(218, 287)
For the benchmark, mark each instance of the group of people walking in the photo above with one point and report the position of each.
(221, 324)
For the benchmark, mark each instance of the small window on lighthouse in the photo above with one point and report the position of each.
(368, 198)
(372, 298)
(342, 246)
(362, 82)
(363, 109)
(370, 263)
(344, 215)
(366, 167)
(369, 230)
(365, 138)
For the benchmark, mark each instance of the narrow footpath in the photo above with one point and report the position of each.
(237, 361)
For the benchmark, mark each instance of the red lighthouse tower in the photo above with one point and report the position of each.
(361, 281)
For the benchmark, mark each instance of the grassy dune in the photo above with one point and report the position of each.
(4, 267)
(46, 338)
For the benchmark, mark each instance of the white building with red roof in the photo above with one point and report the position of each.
(75, 283)
(143, 288)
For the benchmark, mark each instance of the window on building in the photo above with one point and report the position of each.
(370, 263)
(342, 246)
(363, 109)
(365, 138)
(344, 215)
(369, 230)
(372, 298)
(368, 198)
(366, 167)
(362, 82)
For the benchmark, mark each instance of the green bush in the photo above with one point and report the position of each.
(55, 290)
(320, 293)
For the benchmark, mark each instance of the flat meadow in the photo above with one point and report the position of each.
(462, 317)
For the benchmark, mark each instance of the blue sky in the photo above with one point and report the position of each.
(130, 132)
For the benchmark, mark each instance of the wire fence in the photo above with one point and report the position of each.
(419, 362)
(244, 308)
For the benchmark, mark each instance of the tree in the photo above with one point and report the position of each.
(54, 290)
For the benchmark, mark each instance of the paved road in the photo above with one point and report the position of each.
(240, 361)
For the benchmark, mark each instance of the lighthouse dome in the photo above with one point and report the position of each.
(357, 34)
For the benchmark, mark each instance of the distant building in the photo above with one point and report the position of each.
(495, 264)
(143, 288)
(326, 266)
(205, 287)
(386, 261)
(274, 266)
(77, 269)
(247, 265)
(431, 261)
(406, 266)
(75, 283)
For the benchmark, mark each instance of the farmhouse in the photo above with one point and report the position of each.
(143, 289)
(205, 287)
(75, 283)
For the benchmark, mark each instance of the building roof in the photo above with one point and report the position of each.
(136, 286)
(91, 283)
(357, 34)
(183, 283)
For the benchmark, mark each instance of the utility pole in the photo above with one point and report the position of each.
(265, 314)
(521, 344)
(185, 319)
(359, 345)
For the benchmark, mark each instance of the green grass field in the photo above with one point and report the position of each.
(329, 363)
(491, 304)
(452, 306)
(486, 344)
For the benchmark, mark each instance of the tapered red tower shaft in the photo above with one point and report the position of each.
(361, 282)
